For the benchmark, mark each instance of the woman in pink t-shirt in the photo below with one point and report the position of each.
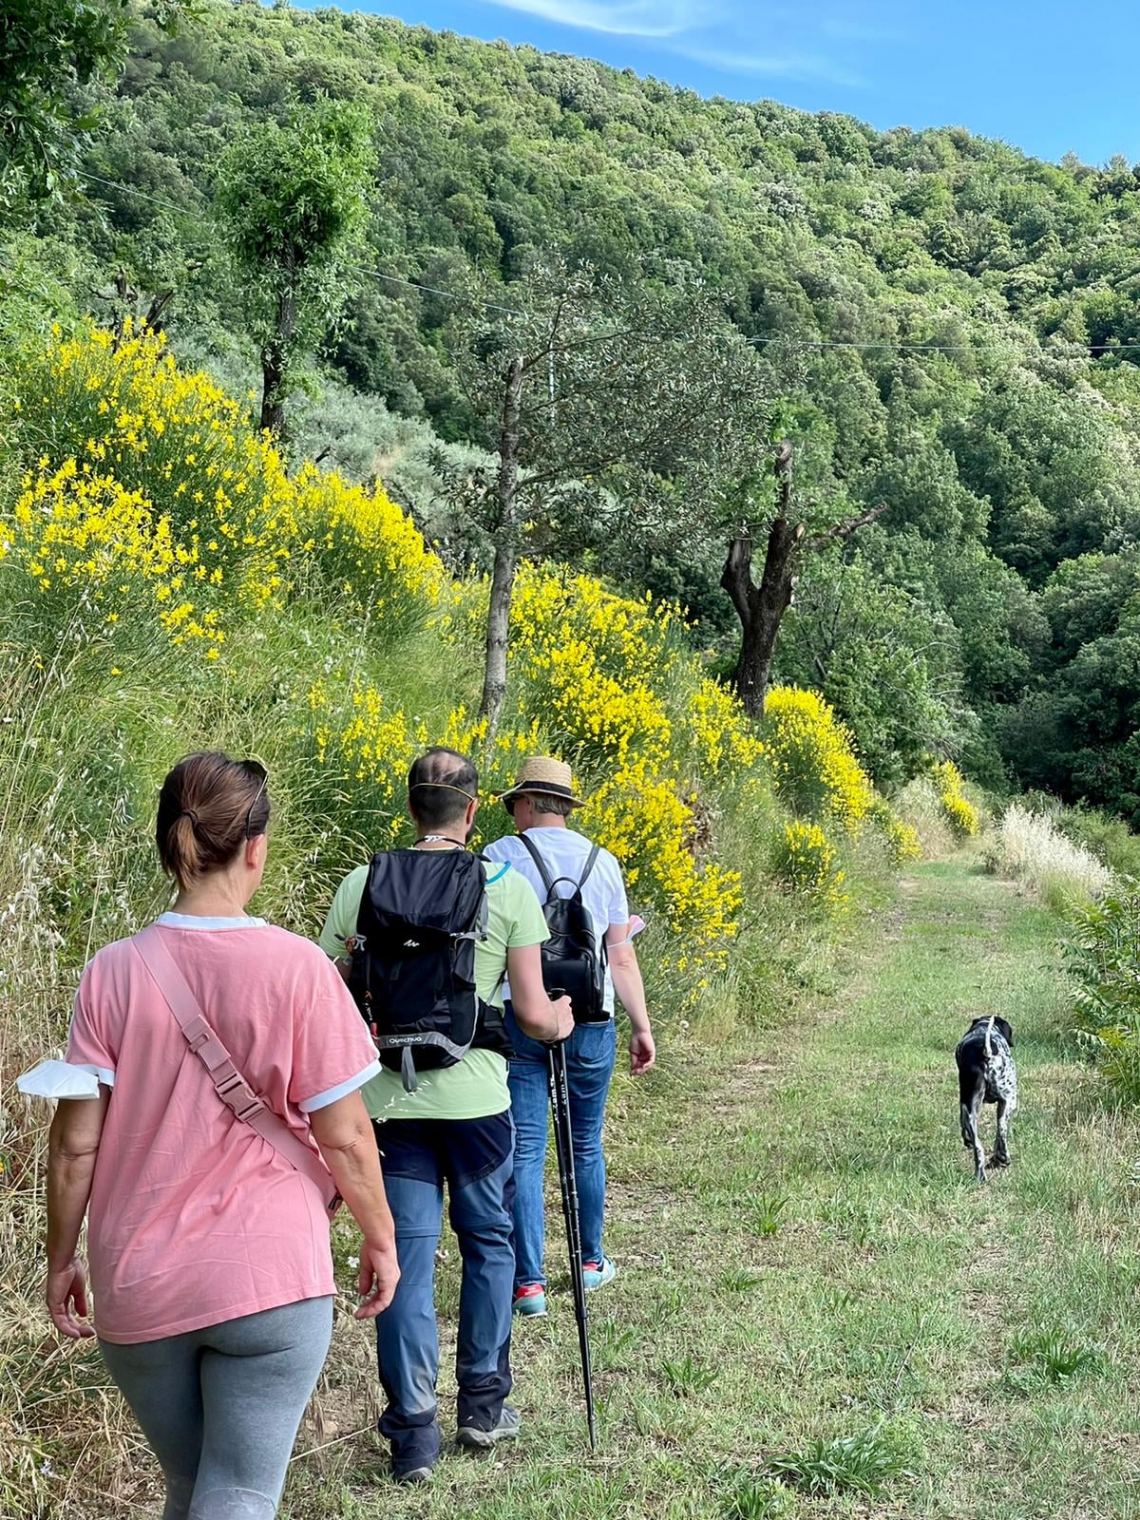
(209, 1247)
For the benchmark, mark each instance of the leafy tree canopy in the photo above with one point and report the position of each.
(944, 323)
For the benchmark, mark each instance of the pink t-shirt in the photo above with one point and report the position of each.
(194, 1218)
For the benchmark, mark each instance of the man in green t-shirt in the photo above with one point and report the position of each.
(456, 1128)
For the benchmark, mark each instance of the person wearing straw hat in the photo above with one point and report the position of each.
(555, 858)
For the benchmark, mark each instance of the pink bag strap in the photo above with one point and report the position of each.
(229, 1084)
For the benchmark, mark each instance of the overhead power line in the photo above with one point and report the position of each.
(376, 274)
(513, 311)
(433, 290)
(130, 190)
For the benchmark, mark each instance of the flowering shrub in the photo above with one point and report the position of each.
(901, 838)
(648, 824)
(717, 727)
(813, 765)
(364, 747)
(152, 474)
(90, 546)
(805, 860)
(919, 807)
(155, 506)
(957, 810)
(597, 671)
(592, 665)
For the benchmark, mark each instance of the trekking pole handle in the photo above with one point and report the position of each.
(554, 993)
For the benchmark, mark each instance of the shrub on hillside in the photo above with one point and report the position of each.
(1102, 954)
(901, 838)
(919, 806)
(1028, 847)
(154, 489)
(960, 814)
(813, 764)
(817, 775)
(806, 861)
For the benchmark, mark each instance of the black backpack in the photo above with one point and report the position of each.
(413, 960)
(572, 960)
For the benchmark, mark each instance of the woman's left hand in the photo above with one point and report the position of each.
(67, 1298)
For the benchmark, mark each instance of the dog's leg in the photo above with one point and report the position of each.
(1001, 1149)
(971, 1110)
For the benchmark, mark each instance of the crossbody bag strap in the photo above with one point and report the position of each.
(229, 1084)
(591, 861)
(532, 851)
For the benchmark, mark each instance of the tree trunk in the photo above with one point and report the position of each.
(506, 552)
(275, 362)
(761, 608)
(273, 389)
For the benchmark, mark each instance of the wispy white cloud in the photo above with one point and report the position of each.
(721, 34)
(627, 18)
(775, 65)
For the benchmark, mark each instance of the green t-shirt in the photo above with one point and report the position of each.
(477, 1087)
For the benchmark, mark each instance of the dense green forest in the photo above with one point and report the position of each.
(947, 328)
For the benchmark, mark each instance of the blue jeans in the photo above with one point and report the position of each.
(590, 1053)
(475, 1157)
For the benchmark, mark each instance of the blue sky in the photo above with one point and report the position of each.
(1047, 75)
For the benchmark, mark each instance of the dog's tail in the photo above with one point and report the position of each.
(989, 1032)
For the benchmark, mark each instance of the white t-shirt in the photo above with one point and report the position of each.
(564, 853)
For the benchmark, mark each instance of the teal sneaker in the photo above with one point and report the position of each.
(597, 1274)
(530, 1299)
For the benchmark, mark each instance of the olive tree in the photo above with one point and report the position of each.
(787, 532)
(603, 401)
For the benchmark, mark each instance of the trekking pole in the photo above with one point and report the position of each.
(564, 1150)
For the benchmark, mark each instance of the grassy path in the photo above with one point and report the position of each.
(984, 1339)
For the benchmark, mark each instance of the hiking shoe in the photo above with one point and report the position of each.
(530, 1299)
(411, 1475)
(596, 1274)
(510, 1422)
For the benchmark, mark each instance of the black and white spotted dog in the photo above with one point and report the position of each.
(986, 1074)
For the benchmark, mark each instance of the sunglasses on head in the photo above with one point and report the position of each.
(257, 771)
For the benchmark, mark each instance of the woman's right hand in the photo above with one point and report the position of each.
(66, 1293)
(379, 1274)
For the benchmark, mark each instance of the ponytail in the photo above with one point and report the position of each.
(208, 807)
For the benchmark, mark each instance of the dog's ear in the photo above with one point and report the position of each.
(1005, 1031)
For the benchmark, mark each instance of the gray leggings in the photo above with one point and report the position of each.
(221, 1406)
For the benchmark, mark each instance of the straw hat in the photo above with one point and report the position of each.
(542, 773)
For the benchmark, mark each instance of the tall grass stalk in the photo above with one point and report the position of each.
(1029, 848)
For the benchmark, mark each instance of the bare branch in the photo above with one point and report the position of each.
(844, 530)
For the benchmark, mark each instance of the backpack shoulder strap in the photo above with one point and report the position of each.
(496, 869)
(229, 1084)
(590, 864)
(532, 851)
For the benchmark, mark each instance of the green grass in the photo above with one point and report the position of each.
(861, 1464)
(865, 1346)
(904, 1344)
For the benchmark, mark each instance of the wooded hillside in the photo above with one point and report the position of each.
(944, 323)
